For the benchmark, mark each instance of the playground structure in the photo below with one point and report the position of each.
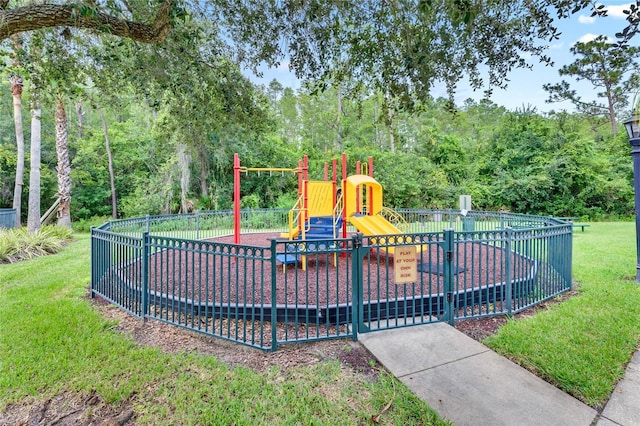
(324, 208)
(192, 270)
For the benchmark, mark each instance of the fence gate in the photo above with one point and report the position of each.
(386, 298)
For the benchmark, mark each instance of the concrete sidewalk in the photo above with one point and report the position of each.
(467, 383)
(623, 407)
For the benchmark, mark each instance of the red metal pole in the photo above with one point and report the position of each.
(300, 191)
(344, 198)
(358, 170)
(306, 167)
(305, 170)
(370, 189)
(236, 198)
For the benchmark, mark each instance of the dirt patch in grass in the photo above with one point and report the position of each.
(172, 339)
(66, 409)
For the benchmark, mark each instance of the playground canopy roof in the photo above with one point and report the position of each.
(374, 196)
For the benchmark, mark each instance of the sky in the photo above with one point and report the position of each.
(525, 87)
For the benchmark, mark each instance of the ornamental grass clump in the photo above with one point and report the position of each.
(18, 244)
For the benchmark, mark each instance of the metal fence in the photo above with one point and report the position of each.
(8, 218)
(185, 270)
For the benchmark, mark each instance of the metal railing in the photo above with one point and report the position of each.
(8, 218)
(184, 270)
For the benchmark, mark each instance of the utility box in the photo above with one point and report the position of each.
(468, 224)
(465, 202)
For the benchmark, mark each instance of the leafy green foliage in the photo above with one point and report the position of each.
(18, 244)
(532, 165)
(610, 68)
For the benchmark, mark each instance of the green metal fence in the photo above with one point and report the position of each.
(8, 218)
(184, 270)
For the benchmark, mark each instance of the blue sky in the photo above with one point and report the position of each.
(525, 87)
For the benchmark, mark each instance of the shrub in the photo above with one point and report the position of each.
(85, 225)
(18, 244)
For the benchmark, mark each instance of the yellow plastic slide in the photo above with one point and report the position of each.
(374, 225)
(378, 225)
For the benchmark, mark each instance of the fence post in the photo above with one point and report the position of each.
(508, 281)
(357, 314)
(274, 295)
(197, 225)
(559, 250)
(568, 255)
(145, 274)
(148, 225)
(94, 272)
(448, 246)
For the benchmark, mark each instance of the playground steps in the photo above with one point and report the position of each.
(322, 227)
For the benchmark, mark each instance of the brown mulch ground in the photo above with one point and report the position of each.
(206, 273)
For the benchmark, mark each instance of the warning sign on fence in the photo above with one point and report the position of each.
(405, 264)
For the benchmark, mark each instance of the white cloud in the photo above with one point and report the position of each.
(584, 19)
(588, 37)
(557, 46)
(615, 11)
(284, 66)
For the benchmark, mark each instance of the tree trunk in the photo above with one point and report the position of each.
(392, 140)
(16, 91)
(33, 217)
(204, 172)
(183, 163)
(377, 142)
(112, 181)
(79, 116)
(611, 110)
(64, 166)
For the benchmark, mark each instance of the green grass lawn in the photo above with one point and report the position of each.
(582, 345)
(53, 342)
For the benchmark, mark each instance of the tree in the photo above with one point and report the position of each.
(610, 68)
(87, 15)
(64, 166)
(107, 147)
(400, 47)
(33, 217)
(202, 105)
(61, 75)
(16, 92)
